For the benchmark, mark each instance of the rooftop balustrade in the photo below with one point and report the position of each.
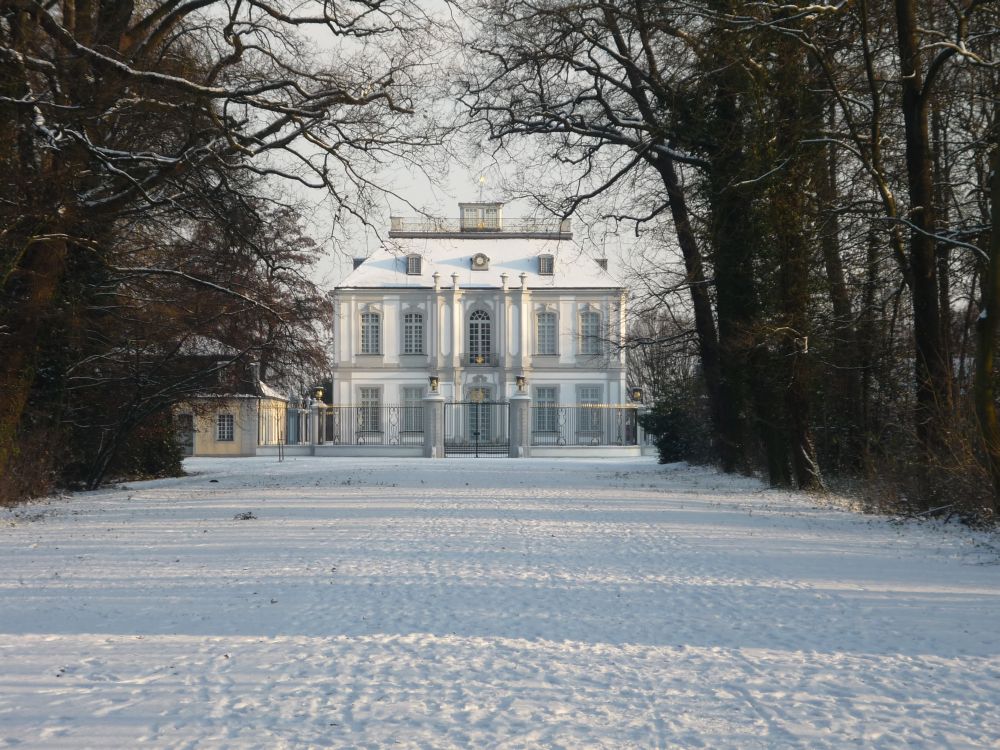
(407, 227)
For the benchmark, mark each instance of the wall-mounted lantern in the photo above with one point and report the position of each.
(636, 395)
(434, 381)
(521, 382)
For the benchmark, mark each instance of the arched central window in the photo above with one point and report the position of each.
(480, 337)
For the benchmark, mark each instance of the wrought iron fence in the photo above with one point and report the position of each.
(372, 425)
(584, 424)
(299, 426)
(477, 428)
(272, 428)
(278, 424)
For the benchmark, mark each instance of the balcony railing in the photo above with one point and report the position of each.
(481, 360)
(584, 424)
(555, 227)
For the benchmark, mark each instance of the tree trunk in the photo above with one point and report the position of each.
(870, 330)
(737, 310)
(704, 322)
(848, 421)
(724, 441)
(734, 247)
(932, 368)
(28, 303)
(986, 339)
(942, 171)
(798, 112)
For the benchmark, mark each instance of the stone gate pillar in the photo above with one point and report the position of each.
(520, 425)
(433, 425)
(315, 428)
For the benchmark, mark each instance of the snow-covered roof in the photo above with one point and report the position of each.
(386, 268)
(267, 391)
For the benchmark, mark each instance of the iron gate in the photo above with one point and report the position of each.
(477, 428)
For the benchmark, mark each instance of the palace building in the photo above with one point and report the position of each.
(478, 303)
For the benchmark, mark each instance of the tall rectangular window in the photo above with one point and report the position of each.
(413, 265)
(413, 409)
(413, 333)
(225, 428)
(546, 333)
(370, 413)
(546, 413)
(371, 333)
(590, 333)
(546, 265)
(590, 418)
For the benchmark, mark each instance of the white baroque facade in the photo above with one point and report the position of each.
(477, 303)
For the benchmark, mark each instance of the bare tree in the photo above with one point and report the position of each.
(587, 79)
(117, 110)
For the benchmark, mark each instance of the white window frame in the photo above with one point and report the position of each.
(370, 411)
(546, 408)
(413, 333)
(547, 343)
(546, 265)
(371, 333)
(480, 218)
(590, 333)
(413, 265)
(589, 420)
(412, 398)
(225, 428)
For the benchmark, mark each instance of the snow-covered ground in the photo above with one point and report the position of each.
(488, 604)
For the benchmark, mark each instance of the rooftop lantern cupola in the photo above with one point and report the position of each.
(480, 217)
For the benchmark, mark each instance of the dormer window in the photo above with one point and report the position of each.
(480, 262)
(546, 265)
(480, 217)
(413, 265)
